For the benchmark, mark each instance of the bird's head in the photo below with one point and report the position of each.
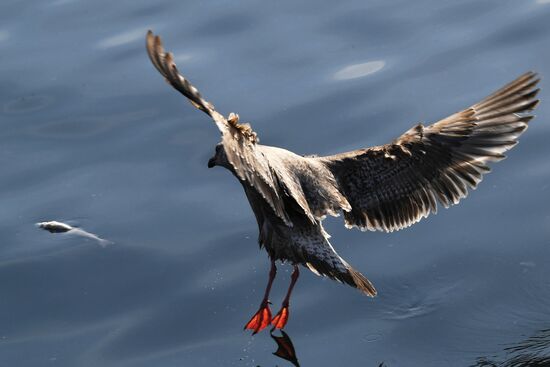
(219, 158)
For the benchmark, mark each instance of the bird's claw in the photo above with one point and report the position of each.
(260, 320)
(280, 320)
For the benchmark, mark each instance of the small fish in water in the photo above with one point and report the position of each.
(59, 227)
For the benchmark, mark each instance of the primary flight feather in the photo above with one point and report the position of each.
(383, 188)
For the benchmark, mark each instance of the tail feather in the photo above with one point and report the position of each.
(314, 250)
(343, 273)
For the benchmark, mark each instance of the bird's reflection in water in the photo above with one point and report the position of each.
(285, 348)
(532, 352)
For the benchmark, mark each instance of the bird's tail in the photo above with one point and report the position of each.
(344, 273)
(320, 257)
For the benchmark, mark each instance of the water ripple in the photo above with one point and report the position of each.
(91, 130)
(27, 104)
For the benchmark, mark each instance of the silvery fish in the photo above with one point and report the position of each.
(59, 227)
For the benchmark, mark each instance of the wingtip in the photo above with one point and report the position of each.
(149, 37)
(532, 75)
(533, 105)
(362, 283)
(370, 291)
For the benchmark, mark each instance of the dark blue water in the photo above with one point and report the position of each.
(91, 135)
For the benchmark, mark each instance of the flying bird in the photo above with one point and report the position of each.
(383, 188)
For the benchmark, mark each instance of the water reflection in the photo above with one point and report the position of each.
(285, 348)
(287, 351)
(532, 352)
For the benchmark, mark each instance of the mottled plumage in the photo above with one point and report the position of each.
(383, 188)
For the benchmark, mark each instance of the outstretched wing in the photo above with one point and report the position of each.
(164, 63)
(393, 186)
(239, 140)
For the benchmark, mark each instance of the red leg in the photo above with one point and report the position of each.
(262, 318)
(280, 320)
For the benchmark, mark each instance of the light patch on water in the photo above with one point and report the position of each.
(62, 2)
(183, 57)
(543, 1)
(359, 70)
(124, 38)
(4, 36)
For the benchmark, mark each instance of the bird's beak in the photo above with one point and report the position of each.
(211, 162)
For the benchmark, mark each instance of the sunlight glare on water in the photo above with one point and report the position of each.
(359, 70)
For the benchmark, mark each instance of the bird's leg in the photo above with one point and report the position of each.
(262, 318)
(280, 320)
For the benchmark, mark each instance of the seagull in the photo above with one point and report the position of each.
(383, 188)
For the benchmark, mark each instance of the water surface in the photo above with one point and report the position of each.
(92, 135)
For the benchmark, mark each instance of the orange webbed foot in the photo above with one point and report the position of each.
(260, 320)
(280, 320)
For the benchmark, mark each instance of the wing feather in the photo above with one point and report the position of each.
(164, 63)
(393, 186)
(239, 140)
